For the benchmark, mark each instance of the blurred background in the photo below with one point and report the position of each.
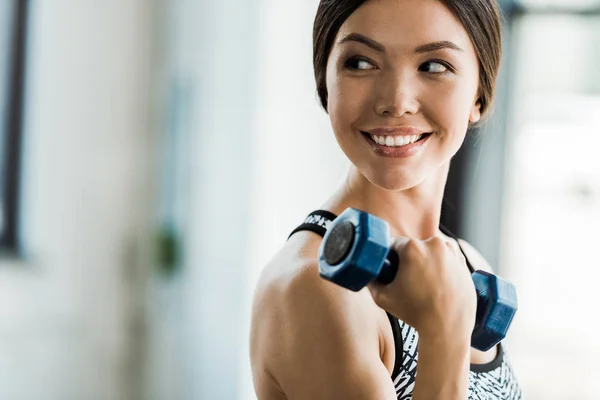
(154, 155)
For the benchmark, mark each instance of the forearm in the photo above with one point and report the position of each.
(443, 368)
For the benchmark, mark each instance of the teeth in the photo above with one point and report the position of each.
(395, 141)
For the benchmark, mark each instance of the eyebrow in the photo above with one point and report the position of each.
(425, 48)
(434, 46)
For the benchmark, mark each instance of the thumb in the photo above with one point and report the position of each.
(378, 293)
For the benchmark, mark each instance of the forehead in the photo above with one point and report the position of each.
(405, 24)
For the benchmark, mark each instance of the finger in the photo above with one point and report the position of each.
(453, 244)
(398, 242)
(377, 292)
(450, 242)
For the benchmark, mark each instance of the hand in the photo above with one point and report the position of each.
(433, 290)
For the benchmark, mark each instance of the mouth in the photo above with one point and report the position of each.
(397, 146)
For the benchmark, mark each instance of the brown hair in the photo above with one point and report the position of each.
(481, 19)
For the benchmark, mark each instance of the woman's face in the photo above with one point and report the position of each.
(419, 75)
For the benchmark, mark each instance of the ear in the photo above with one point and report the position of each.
(475, 114)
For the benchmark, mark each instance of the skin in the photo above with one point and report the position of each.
(312, 339)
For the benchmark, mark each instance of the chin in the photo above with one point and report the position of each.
(394, 181)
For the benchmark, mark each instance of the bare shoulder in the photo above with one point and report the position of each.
(309, 337)
(475, 257)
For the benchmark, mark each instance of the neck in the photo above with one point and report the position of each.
(414, 212)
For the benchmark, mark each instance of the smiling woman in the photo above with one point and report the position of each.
(402, 81)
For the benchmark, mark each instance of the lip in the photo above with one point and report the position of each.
(396, 152)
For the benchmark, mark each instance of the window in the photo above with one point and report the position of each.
(552, 208)
(12, 51)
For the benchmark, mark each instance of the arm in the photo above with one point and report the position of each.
(318, 341)
(443, 370)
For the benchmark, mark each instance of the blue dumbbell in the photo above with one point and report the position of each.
(356, 250)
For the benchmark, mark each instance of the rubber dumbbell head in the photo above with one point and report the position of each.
(354, 249)
(496, 308)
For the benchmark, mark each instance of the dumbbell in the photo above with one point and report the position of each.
(356, 250)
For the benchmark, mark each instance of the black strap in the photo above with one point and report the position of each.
(446, 231)
(317, 222)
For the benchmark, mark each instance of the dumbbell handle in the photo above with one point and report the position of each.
(389, 269)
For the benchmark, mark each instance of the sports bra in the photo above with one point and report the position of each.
(494, 380)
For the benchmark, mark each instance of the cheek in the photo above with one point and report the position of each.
(448, 106)
(347, 100)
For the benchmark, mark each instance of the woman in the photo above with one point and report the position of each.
(402, 81)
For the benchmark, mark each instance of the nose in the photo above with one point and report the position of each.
(396, 95)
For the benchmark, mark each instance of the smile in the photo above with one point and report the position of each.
(398, 146)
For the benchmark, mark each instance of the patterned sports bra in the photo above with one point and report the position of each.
(491, 381)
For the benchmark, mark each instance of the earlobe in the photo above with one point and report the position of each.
(475, 114)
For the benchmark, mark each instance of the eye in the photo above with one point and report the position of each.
(435, 67)
(358, 63)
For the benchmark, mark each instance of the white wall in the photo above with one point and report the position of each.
(256, 154)
(71, 320)
(208, 92)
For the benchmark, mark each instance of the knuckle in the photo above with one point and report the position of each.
(457, 249)
(452, 244)
(378, 297)
(437, 243)
(410, 244)
(411, 248)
